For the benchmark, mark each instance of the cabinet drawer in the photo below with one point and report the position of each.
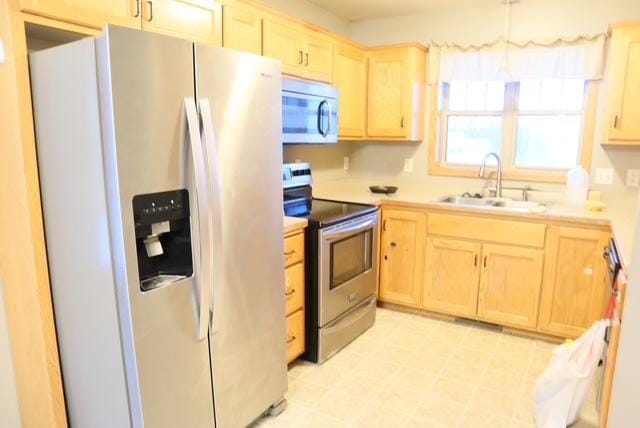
(293, 249)
(486, 229)
(294, 287)
(295, 335)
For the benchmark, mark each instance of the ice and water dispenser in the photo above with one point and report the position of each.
(163, 238)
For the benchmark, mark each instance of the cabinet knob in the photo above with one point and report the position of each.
(393, 244)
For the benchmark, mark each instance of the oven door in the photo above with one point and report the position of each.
(347, 266)
(309, 118)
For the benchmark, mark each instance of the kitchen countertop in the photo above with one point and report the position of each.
(619, 214)
(291, 224)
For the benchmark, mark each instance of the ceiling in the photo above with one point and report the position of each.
(355, 10)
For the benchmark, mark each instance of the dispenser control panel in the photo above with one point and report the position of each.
(157, 207)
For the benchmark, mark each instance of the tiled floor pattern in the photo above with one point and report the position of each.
(413, 371)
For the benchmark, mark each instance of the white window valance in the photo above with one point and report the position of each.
(579, 58)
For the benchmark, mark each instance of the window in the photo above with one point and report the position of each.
(538, 127)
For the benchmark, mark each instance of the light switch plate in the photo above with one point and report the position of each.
(604, 176)
(408, 165)
(345, 163)
(633, 177)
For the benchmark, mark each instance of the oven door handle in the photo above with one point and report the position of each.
(351, 230)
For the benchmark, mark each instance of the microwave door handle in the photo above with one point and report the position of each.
(211, 152)
(320, 124)
(330, 113)
(202, 266)
(349, 230)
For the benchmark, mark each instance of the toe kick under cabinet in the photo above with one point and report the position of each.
(294, 293)
(526, 274)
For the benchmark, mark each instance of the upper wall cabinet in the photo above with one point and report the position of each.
(91, 13)
(397, 78)
(350, 77)
(303, 52)
(242, 28)
(198, 20)
(624, 106)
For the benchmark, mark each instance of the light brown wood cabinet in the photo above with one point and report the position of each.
(242, 28)
(510, 285)
(402, 255)
(294, 292)
(198, 20)
(303, 52)
(350, 77)
(574, 291)
(397, 79)
(624, 103)
(452, 273)
(88, 12)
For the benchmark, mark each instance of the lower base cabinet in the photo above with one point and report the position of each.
(452, 273)
(510, 285)
(575, 291)
(294, 294)
(551, 279)
(402, 256)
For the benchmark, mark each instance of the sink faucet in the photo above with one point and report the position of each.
(499, 179)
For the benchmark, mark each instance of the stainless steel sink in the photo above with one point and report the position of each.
(504, 204)
(464, 200)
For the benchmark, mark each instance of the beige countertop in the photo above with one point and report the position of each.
(619, 213)
(292, 224)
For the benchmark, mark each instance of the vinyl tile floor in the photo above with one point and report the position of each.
(413, 371)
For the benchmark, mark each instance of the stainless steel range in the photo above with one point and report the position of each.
(341, 273)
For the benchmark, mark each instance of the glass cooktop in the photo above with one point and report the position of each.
(324, 212)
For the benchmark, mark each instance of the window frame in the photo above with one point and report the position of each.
(437, 135)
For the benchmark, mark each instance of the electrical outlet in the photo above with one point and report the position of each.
(345, 163)
(604, 175)
(408, 165)
(633, 177)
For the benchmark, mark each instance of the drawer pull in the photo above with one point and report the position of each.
(290, 339)
(289, 292)
(289, 253)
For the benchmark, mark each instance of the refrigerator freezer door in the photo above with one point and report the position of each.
(248, 330)
(144, 79)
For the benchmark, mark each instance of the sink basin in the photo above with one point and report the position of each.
(463, 200)
(505, 204)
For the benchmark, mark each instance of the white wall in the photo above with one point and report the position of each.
(9, 414)
(531, 19)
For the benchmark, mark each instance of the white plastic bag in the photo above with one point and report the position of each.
(562, 389)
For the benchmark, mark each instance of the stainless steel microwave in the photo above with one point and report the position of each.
(309, 112)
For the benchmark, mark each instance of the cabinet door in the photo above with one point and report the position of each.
(350, 77)
(387, 93)
(625, 103)
(510, 285)
(402, 255)
(242, 28)
(574, 286)
(87, 12)
(452, 272)
(318, 57)
(197, 20)
(284, 42)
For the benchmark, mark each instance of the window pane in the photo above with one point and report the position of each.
(529, 95)
(572, 94)
(470, 138)
(476, 92)
(550, 94)
(548, 141)
(457, 96)
(495, 96)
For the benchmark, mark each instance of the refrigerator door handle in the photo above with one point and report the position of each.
(211, 153)
(203, 263)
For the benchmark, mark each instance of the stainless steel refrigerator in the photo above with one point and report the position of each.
(160, 174)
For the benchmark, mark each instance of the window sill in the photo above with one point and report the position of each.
(466, 172)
